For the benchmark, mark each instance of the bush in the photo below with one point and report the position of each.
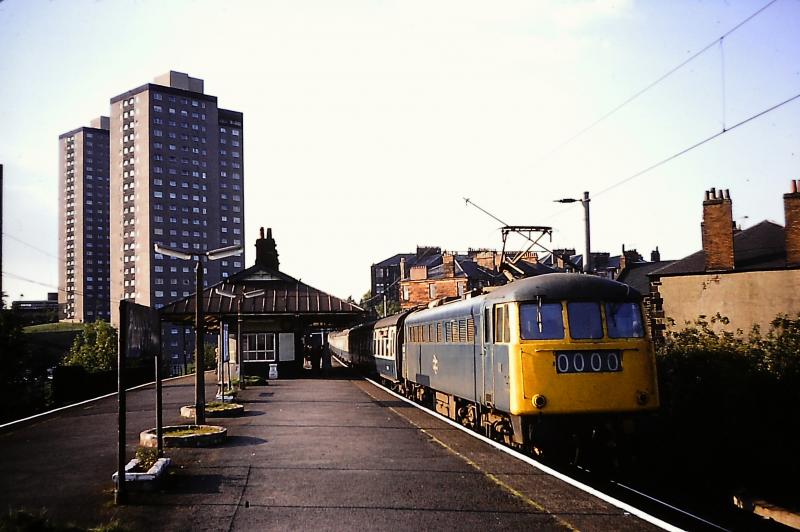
(147, 457)
(729, 401)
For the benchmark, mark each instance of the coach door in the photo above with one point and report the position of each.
(487, 359)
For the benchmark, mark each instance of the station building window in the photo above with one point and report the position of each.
(259, 347)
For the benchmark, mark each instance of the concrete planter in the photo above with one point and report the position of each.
(228, 398)
(231, 410)
(147, 480)
(217, 436)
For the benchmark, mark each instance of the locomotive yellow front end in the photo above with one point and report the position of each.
(582, 355)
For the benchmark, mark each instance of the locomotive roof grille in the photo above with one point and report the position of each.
(549, 287)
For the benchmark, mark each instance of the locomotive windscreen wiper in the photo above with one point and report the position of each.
(539, 313)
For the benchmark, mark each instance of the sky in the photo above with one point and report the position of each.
(368, 121)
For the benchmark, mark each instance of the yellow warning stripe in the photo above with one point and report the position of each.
(516, 493)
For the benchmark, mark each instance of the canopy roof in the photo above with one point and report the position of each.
(264, 291)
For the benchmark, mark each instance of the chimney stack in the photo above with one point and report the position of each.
(448, 265)
(655, 255)
(791, 207)
(266, 251)
(717, 230)
(419, 272)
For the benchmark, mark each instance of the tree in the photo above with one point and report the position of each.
(375, 305)
(14, 359)
(95, 349)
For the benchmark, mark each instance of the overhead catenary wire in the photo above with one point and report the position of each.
(697, 145)
(640, 92)
(31, 246)
(684, 151)
(48, 285)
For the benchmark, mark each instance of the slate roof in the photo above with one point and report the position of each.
(636, 275)
(761, 247)
(283, 294)
(395, 260)
(425, 258)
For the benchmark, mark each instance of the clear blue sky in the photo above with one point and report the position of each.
(366, 122)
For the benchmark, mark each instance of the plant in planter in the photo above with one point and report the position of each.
(254, 380)
(215, 409)
(145, 471)
(185, 436)
(229, 395)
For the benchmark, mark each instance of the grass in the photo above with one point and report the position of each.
(53, 327)
(191, 431)
(216, 406)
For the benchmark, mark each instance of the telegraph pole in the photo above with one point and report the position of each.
(587, 262)
(199, 348)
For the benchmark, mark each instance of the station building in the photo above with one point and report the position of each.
(265, 316)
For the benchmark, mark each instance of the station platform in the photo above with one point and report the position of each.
(325, 453)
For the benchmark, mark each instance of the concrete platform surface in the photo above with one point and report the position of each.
(331, 453)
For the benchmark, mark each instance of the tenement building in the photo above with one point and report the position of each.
(177, 177)
(83, 223)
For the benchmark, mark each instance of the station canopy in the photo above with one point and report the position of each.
(262, 292)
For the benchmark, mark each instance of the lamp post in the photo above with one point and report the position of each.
(587, 257)
(241, 297)
(199, 323)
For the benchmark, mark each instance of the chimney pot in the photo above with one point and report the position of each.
(794, 186)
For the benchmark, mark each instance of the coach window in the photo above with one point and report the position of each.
(584, 320)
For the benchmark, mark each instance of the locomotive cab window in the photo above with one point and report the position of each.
(624, 320)
(584, 320)
(541, 321)
(502, 331)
